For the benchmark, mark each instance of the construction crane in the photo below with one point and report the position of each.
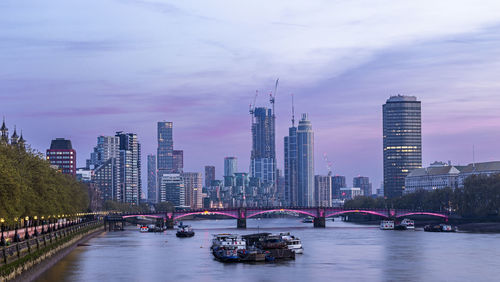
(272, 95)
(328, 164)
(251, 109)
(293, 113)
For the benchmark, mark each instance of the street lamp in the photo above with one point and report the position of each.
(16, 235)
(35, 223)
(43, 224)
(2, 239)
(26, 232)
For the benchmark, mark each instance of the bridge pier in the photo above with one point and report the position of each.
(319, 222)
(241, 223)
(169, 223)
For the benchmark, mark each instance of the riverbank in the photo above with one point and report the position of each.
(34, 257)
(482, 227)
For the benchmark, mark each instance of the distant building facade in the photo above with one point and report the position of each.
(193, 189)
(323, 190)
(152, 179)
(62, 155)
(178, 161)
(484, 168)
(402, 140)
(209, 175)
(350, 193)
(263, 155)
(438, 175)
(172, 189)
(105, 163)
(338, 181)
(165, 151)
(130, 167)
(290, 148)
(363, 182)
(305, 163)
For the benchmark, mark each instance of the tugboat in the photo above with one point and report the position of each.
(387, 225)
(184, 231)
(410, 224)
(292, 242)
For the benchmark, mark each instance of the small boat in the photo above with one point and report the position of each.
(144, 228)
(184, 231)
(439, 228)
(226, 247)
(447, 228)
(308, 219)
(293, 243)
(408, 223)
(387, 225)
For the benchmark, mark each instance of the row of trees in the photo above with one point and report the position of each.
(480, 197)
(30, 187)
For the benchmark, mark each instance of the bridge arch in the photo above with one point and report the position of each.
(281, 210)
(356, 211)
(143, 215)
(205, 212)
(423, 213)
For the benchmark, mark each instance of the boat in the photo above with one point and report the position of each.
(408, 223)
(308, 219)
(184, 231)
(439, 228)
(228, 247)
(144, 228)
(387, 225)
(274, 246)
(293, 243)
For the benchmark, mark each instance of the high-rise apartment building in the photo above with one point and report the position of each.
(338, 181)
(130, 167)
(152, 187)
(263, 155)
(105, 161)
(323, 190)
(363, 182)
(209, 175)
(62, 155)
(402, 135)
(305, 163)
(178, 161)
(193, 187)
(230, 166)
(290, 148)
(172, 189)
(165, 153)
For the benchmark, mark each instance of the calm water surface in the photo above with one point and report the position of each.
(342, 251)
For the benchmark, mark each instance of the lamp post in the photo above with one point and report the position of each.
(2, 239)
(35, 223)
(16, 235)
(26, 232)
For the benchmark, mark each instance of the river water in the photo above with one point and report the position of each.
(341, 251)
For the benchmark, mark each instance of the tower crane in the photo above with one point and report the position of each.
(328, 164)
(272, 95)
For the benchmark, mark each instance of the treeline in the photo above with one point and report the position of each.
(30, 187)
(141, 208)
(480, 197)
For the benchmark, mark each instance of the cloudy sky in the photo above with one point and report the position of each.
(79, 69)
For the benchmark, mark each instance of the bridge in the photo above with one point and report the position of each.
(319, 214)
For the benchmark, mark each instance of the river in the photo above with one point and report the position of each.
(341, 251)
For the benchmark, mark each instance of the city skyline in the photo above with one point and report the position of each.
(412, 60)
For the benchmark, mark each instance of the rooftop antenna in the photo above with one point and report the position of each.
(293, 113)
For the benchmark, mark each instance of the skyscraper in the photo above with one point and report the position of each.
(402, 134)
(338, 181)
(230, 166)
(323, 190)
(290, 147)
(363, 182)
(192, 187)
(62, 154)
(263, 155)
(107, 147)
(165, 153)
(209, 175)
(305, 163)
(130, 167)
(152, 191)
(178, 161)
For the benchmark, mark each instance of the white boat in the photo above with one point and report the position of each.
(293, 243)
(226, 240)
(144, 229)
(387, 225)
(410, 224)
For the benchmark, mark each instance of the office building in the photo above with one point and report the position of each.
(172, 189)
(178, 161)
(363, 182)
(263, 155)
(402, 140)
(338, 181)
(290, 148)
(165, 152)
(62, 155)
